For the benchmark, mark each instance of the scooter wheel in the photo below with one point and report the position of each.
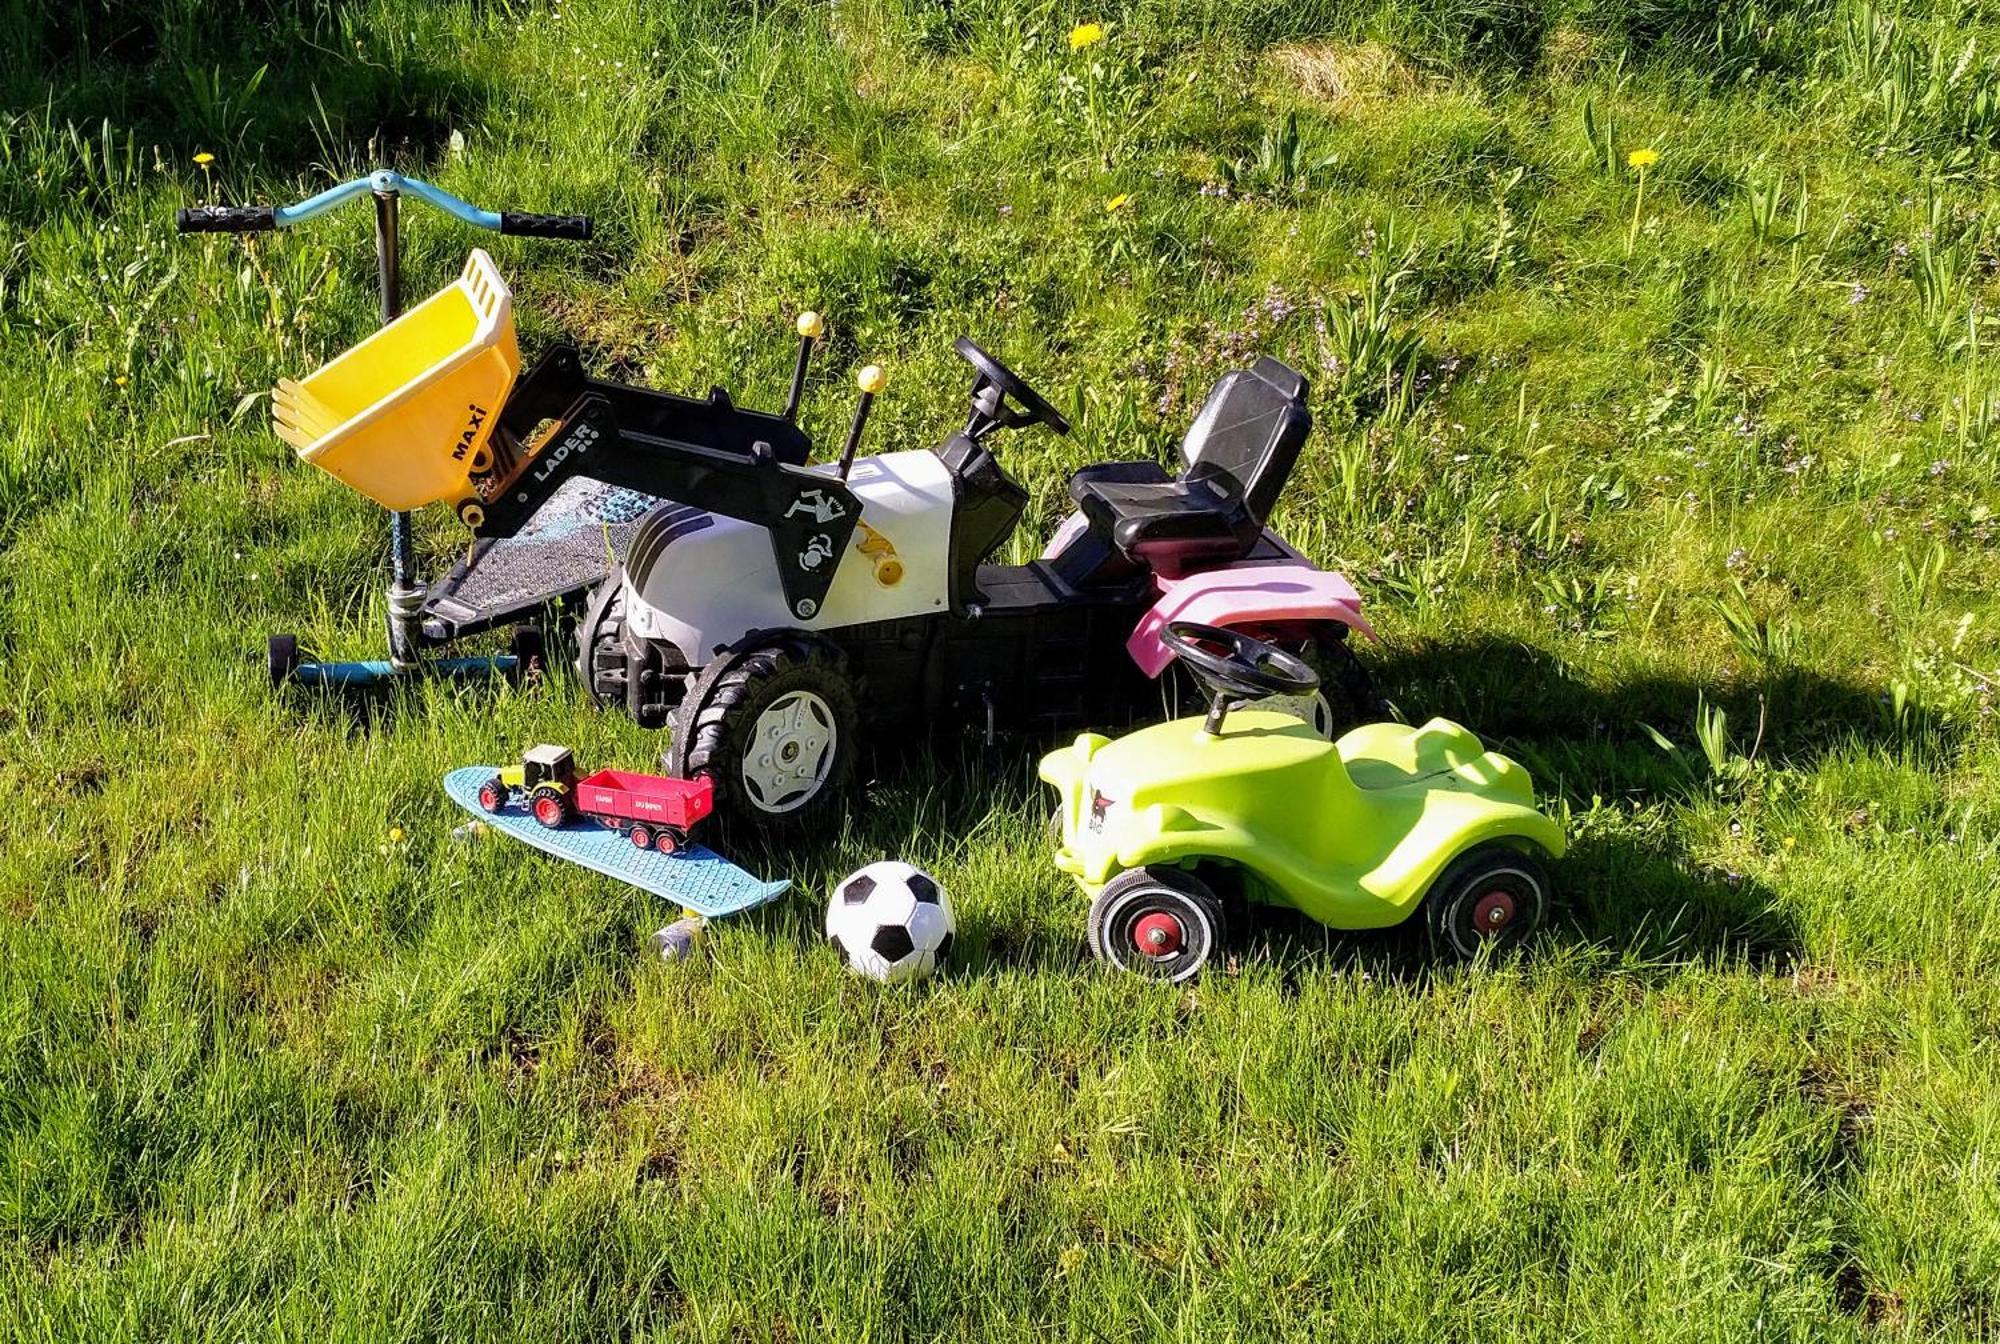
(1488, 901)
(1161, 923)
(282, 658)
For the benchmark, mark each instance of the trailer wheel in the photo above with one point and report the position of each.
(493, 794)
(550, 805)
(778, 730)
(641, 837)
(671, 840)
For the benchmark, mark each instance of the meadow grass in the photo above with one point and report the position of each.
(1690, 503)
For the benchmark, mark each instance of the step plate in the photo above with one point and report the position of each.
(570, 545)
(696, 879)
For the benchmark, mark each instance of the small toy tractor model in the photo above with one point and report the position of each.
(545, 778)
(1360, 833)
(652, 811)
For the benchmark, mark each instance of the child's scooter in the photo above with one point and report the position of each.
(352, 387)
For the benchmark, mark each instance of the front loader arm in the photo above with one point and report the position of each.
(711, 455)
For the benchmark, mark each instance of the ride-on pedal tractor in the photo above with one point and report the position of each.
(1358, 833)
(775, 613)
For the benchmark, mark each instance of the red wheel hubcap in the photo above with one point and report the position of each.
(1158, 935)
(1493, 912)
(548, 811)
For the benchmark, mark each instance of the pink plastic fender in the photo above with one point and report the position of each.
(1245, 595)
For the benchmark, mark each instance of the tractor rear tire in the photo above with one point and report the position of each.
(1158, 922)
(778, 728)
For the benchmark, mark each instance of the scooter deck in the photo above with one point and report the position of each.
(695, 878)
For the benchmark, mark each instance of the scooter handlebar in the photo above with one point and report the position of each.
(261, 218)
(227, 219)
(575, 228)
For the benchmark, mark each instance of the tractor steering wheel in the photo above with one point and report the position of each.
(1232, 662)
(1035, 409)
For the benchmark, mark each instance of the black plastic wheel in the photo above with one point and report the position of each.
(778, 729)
(549, 805)
(530, 649)
(493, 794)
(671, 840)
(1157, 922)
(641, 837)
(600, 643)
(282, 658)
(1488, 901)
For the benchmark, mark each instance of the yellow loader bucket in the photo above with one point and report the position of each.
(404, 416)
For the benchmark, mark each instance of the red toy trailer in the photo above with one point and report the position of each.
(656, 811)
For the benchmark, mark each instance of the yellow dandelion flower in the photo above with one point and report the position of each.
(396, 835)
(1118, 202)
(1085, 35)
(204, 158)
(121, 380)
(1643, 158)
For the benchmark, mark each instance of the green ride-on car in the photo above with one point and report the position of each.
(1357, 833)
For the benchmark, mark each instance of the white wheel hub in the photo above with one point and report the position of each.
(790, 753)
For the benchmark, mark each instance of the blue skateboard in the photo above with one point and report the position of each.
(697, 879)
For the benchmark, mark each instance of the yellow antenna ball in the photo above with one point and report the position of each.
(810, 325)
(871, 379)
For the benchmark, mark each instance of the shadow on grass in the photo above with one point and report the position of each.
(1527, 702)
(1618, 900)
(1634, 902)
(329, 81)
(1624, 904)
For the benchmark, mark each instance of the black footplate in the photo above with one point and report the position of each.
(571, 543)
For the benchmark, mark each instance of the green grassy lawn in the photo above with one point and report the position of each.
(1687, 498)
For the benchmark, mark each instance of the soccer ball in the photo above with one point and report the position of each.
(890, 922)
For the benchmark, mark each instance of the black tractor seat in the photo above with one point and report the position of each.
(1237, 454)
(1171, 526)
